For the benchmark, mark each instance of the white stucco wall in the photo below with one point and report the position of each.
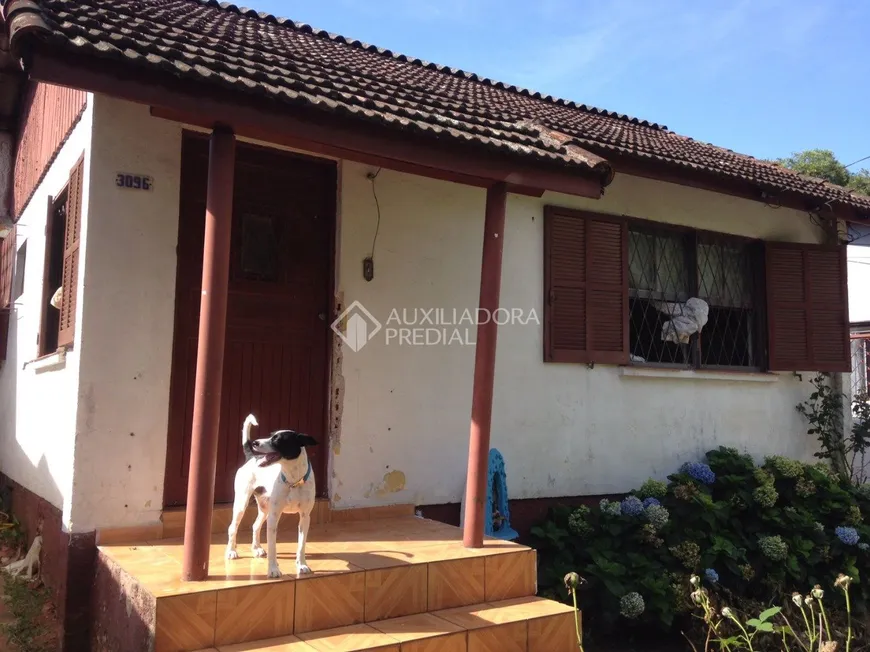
(404, 411)
(563, 429)
(38, 405)
(129, 303)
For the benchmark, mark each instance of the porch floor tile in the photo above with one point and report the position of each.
(341, 547)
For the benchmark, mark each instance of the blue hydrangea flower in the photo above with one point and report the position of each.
(650, 501)
(847, 535)
(700, 472)
(711, 575)
(632, 506)
(863, 546)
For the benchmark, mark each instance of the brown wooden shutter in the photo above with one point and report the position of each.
(71, 240)
(586, 288)
(7, 271)
(808, 308)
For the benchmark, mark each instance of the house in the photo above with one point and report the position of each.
(418, 209)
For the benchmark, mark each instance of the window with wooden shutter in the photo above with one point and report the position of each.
(66, 332)
(808, 312)
(586, 288)
(7, 267)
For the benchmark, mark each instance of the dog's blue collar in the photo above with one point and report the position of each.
(299, 482)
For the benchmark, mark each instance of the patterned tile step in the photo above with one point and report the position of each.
(520, 625)
(363, 572)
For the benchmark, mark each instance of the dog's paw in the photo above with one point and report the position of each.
(259, 552)
(232, 554)
(274, 572)
(302, 569)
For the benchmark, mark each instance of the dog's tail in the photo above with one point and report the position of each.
(250, 421)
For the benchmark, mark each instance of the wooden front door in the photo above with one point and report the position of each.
(278, 311)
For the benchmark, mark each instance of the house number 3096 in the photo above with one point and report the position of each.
(133, 181)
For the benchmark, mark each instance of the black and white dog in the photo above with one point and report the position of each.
(278, 473)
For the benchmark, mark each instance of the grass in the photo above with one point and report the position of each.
(31, 610)
(11, 536)
(31, 626)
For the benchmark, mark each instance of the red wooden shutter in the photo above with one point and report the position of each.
(808, 308)
(71, 240)
(7, 270)
(586, 288)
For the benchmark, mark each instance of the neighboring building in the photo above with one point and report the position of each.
(859, 305)
(347, 152)
(860, 357)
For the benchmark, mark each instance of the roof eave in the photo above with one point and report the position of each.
(314, 129)
(720, 182)
(23, 19)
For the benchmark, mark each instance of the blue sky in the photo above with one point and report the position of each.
(762, 77)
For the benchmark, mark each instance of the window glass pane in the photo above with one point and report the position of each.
(20, 264)
(671, 268)
(657, 266)
(641, 248)
(659, 281)
(723, 275)
(725, 283)
(259, 248)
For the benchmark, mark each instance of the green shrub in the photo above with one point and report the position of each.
(754, 531)
(846, 451)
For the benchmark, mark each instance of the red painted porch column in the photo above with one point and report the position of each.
(484, 367)
(210, 354)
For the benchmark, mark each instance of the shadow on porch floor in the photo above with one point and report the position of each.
(333, 548)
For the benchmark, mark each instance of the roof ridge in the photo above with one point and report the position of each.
(455, 72)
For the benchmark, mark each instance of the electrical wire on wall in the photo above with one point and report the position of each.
(816, 219)
(369, 263)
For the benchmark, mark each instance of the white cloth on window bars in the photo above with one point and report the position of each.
(55, 300)
(686, 319)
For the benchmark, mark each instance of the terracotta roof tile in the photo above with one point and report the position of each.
(257, 53)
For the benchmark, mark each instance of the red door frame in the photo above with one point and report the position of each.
(324, 444)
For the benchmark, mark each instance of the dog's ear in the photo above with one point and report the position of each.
(305, 440)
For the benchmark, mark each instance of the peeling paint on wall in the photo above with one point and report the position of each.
(393, 482)
(336, 402)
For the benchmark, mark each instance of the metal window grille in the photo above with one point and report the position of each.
(666, 268)
(860, 364)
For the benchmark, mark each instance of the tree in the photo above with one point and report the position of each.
(823, 164)
(819, 163)
(860, 182)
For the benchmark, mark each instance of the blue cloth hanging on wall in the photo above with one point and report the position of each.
(497, 500)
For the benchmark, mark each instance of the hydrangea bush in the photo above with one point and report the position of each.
(753, 531)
